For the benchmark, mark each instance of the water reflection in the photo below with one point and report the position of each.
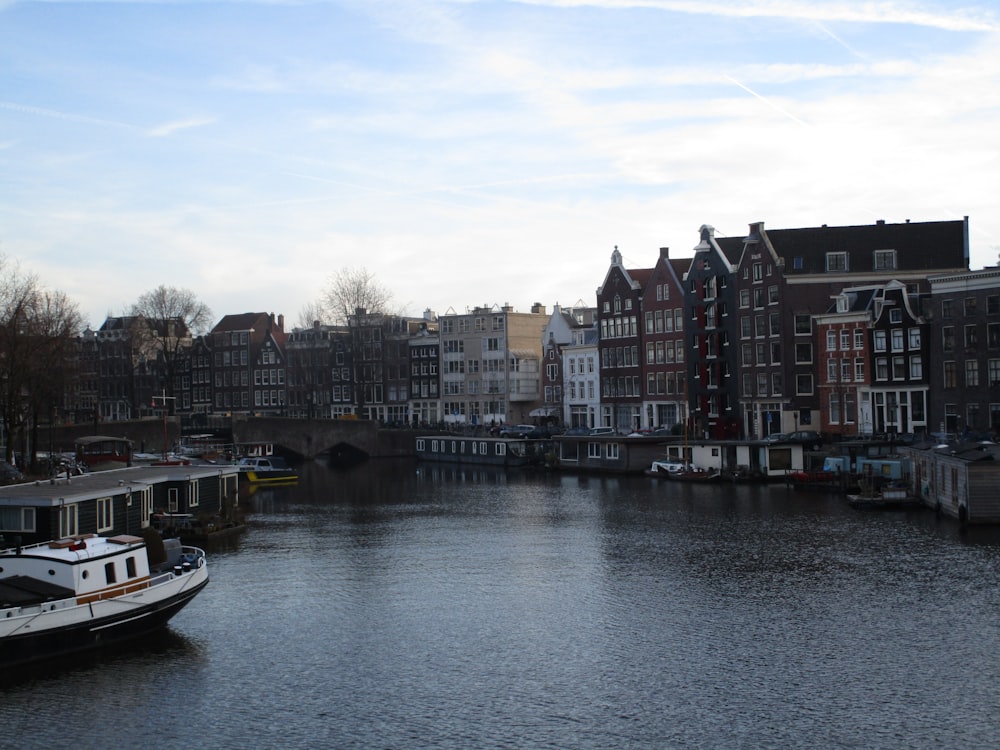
(411, 605)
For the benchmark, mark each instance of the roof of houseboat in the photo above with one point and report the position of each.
(103, 483)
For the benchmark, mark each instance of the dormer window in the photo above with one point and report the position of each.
(885, 260)
(836, 261)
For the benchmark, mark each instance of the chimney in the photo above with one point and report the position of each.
(538, 308)
(665, 252)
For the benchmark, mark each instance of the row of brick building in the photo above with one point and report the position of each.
(845, 330)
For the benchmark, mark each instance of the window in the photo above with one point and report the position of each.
(916, 368)
(880, 339)
(109, 572)
(971, 337)
(803, 325)
(105, 514)
(69, 520)
(803, 354)
(772, 295)
(947, 308)
(850, 407)
(803, 384)
(914, 335)
(859, 339)
(899, 368)
(836, 261)
(969, 306)
(895, 315)
(897, 339)
(950, 374)
(17, 519)
(744, 298)
(948, 339)
(881, 368)
(971, 373)
(885, 260)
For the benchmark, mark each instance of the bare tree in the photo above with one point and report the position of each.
(37, 330)
(311, 313)
(354, 298)
(355, 291)
(172, 317)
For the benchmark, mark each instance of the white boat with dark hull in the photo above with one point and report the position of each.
(78, 593)
(266, 470)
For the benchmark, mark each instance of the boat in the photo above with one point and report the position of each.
(195, 530)
(266, 470)
(694, 474)
(85, 591)
(102, 452)
(478, 449)
(888, 498)
(665, 467)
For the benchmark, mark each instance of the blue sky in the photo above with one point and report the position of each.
(472, 153)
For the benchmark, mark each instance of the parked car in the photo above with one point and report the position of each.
(9, 473)
(808, 438)
(521, 431)
(577, 431)
(602, 431)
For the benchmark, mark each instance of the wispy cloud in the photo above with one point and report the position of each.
(59, 115)
(945, 16)
(169, 128)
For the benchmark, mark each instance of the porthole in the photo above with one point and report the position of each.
(52, 572)
(86, 573)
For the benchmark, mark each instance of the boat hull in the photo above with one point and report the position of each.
(55, 634)
(270, 477)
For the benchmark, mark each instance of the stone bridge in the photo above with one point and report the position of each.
(346, 441)
(343, 440)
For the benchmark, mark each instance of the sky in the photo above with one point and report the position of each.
(468, 152)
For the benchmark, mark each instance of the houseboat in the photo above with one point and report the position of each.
(958, 479)
(494, 451)
(116, 502)
(101, 452)
(730, 459)
(81, 592)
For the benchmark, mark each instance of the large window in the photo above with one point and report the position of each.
(17, 519)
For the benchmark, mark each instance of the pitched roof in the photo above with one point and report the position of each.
(919, 246)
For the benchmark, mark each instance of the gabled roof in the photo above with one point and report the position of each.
(240, 322)
(637, 278)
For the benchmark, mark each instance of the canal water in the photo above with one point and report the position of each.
(404, 605)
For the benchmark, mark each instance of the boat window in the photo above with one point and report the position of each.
(130, 567)
(109, 572)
